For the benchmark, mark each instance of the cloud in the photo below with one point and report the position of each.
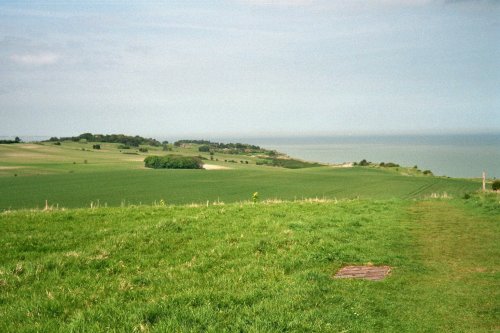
(35, 59)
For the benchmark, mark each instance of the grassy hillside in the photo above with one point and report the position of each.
(253, 268)
(75, 175)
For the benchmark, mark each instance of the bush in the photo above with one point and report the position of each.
(96, 146)
(204, 148)
(123, 147)
(427, 172)
(173, 162)
(495, 186)
(57, 143)
(364, 163)
(143, 150)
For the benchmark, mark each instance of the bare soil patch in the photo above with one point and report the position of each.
(214, 167)
(343, 165)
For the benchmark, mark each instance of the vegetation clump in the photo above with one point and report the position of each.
(204, 148)
(128, 140)
(226, 148)
(495, 186)
(287, 163)
(364, 162)
(173, 162)
(389, 165)
(16, 140)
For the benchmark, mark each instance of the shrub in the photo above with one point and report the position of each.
(363, 163)
(204, 148)
(427, 172)
(96, 146)
(57, 143)
(173, 162)
(123, 147)
(143, 150)
(495, 186)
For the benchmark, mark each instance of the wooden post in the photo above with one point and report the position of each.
(484, 181)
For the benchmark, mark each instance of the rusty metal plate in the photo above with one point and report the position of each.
(373, 273)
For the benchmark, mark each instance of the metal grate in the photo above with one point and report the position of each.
(373, 273)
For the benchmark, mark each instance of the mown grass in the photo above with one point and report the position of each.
(253, 268)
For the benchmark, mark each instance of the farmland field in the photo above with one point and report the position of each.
(75, 175)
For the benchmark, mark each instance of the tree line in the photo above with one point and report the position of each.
(128, 140)
(16, 140)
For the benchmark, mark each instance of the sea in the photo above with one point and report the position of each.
(457, 155)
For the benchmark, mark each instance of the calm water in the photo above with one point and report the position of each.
(450, 155)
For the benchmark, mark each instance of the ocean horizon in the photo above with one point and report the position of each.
(457, 155)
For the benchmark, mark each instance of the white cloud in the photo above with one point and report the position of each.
(35, 59)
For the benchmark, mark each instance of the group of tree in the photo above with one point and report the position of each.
(363, 162)
(16, 140)
(173, 162)
(389, 165)
(227, 148)
(127, 140)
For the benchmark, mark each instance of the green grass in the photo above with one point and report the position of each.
(33, 173)
(252, 268)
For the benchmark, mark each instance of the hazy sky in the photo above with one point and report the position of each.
(249, 67)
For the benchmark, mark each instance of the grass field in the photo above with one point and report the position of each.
(75, 175)
(253, 268)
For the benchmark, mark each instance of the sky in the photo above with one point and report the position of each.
(249, 67)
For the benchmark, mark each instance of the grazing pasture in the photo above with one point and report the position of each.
(264, 267)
